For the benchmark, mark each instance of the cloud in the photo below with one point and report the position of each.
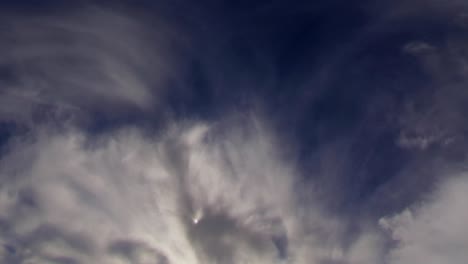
(224, 191)
(434, 116)
(83, 60)
(195, 192)
(434, 231)
(418, 47)
(127, 187)
(129, 197)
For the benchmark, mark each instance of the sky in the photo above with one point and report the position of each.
(233, 132)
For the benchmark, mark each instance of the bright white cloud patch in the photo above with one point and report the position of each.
(125, 190)
(197, 194)
(435, 231)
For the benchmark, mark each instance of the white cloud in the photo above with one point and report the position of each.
(134, 188)
(88, 59)
(435, 231)
(196, 193)
(126, 198)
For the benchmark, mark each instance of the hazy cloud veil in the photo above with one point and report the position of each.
(108, 154)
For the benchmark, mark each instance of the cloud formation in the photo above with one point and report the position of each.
(434, 231)
(83, 60)
(228, 189)
(197, 193)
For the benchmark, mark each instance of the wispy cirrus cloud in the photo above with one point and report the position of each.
(83, 60)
